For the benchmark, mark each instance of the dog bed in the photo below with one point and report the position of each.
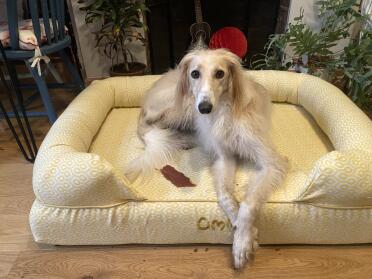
(82, 196)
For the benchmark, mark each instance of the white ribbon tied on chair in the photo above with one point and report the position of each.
(27, 37)
(38, 57)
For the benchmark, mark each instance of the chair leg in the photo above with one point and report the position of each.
(54, 73)
(43, 90)
(72, 69)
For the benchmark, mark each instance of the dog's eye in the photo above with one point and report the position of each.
(220, 74)
(195, 74)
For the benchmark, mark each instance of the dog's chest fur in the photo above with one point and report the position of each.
(220, 132)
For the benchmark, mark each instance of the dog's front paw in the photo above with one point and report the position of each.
(233, 216)
(231, 209)
(244, 246)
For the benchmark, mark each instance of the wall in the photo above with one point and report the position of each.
(310, 12)
(3, 13)
(310, 18)
(96, 65)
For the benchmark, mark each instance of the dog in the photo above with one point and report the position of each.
(210, 98)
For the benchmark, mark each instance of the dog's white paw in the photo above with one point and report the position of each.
(244, 246)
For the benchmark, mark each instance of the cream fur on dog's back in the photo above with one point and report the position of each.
(209, 97)
(161, 126)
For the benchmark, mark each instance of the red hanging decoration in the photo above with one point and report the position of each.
(230, 38)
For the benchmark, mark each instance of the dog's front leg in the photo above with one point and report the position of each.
(224, 173)
(271, 172)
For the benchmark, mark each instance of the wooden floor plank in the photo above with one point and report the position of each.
(6, 262)
(16, 194)
(193, 262)
(15, 233)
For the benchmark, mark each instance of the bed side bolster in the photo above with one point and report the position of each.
(65, 177)
(341, 179)
(344, 123)
(65, 174)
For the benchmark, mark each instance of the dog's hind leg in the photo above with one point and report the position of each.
(224, 173)
(271, 172)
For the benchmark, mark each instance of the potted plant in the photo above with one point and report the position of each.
(357, 66)
(119, 22)
(313, 52)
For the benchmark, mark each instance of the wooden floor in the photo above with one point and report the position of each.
(20, 257)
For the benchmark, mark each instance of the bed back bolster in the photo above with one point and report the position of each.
(281, 85)
(129, 91)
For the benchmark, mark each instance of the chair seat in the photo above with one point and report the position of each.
(45, 50)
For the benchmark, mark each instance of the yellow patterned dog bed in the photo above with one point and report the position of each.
(82, 196)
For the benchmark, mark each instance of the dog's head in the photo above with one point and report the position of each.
(207, 75)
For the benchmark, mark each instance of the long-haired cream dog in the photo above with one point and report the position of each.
(209, 94)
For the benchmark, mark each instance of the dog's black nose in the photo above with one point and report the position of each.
(205, 107)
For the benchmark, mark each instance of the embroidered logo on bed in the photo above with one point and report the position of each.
(214, 225)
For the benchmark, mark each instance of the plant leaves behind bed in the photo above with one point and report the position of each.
(177, 178)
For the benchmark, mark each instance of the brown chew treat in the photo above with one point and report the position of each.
(177, 178)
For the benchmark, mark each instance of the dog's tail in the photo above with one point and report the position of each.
(160, 147)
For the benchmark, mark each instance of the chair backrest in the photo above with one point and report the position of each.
(51, 11)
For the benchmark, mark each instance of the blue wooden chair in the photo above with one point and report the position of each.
(51, 11)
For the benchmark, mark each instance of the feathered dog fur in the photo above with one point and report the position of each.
(209, 96)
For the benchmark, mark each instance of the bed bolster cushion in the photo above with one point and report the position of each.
(342, 121)
(65, 173)
(129, 91)
(64, 177)
(341, 179)
(282, 86)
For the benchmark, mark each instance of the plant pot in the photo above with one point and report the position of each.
(135, 69)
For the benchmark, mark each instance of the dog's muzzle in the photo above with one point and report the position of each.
(205, 107)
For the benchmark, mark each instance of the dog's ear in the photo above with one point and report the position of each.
(240, 86)
(183, 86)
(237, 81)
(237, 86)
